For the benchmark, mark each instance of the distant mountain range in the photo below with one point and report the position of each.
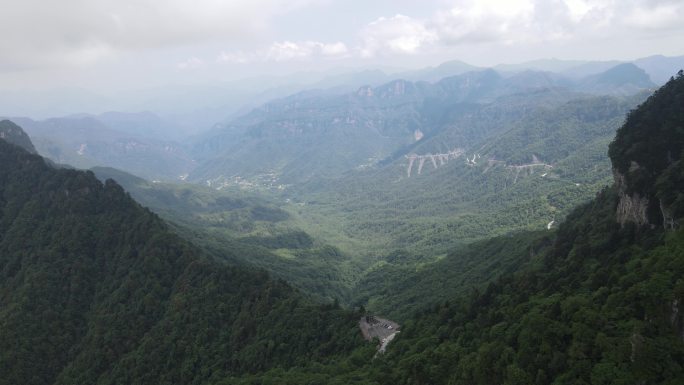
(126, 141)
(513, 144)
(196, 108)
(479, 135)
(309, 135)
(96, 289)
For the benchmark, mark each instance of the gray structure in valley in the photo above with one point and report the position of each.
(383, 329)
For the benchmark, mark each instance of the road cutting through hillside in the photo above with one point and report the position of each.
(383, 329)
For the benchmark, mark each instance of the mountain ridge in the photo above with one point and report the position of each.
(12, 133)
(343, 132)
(96, 289)
(595, 302)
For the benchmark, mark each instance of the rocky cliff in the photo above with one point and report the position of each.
(647, 160)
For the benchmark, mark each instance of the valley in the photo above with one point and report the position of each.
(485, 227)
(349, 190)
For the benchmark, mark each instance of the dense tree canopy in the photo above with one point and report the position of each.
(96, 289)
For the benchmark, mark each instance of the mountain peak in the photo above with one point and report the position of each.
(12, 133)
(625, 73)
(647, 159)
(622, 79)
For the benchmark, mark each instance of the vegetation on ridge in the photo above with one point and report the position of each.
(96, 289)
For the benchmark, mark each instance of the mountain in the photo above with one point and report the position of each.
(399, 288)
(550, 65)
(464, 159)
(658, 67)
(590, 68)
(435, 74)
(646, 165)
(422, 167)
(661, 68)
(369, 227)
(596, 302)
(646, 156)
(622, 79)
(142, 124)
(317, 135)
(96, 289)
(352, 80)
(87, 141)
(248, 230)
(524, 165)
(13, 134)
(301, 137)
(601, 305)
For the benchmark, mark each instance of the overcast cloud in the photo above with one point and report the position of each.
(43, 33)
(77, 40)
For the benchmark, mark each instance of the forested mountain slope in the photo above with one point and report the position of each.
(95, 289)
(544, 161)
(247, 229)
(600, 303)
(11, 133)
(312, 135)
(604, 307)
(383, 223)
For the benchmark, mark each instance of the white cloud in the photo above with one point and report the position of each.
(192, 63)
(38, 33)
(397, 34)
(578, 9)
(486, 23)
(477, 22)
(69, 34)
(334, 49)
(238, 57)
(656, 16)
(287, 51)
(511, 22)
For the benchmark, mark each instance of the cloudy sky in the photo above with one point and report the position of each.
(100, 44)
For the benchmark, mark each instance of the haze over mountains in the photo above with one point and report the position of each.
(111, 139)
(158, 128)
(376, 121)
(388, 192)
(198, 106)
(124, 297)
(367, 180)
(416, 166)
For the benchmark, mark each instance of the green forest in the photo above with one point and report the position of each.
(594, 303)
(95, 288)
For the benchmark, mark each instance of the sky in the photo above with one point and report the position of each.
(122, 44)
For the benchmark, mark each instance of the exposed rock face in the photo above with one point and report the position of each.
(676, 318)
(669, 222)
(641, 209)
(647, 161)
(631, 207)
(637, 342)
